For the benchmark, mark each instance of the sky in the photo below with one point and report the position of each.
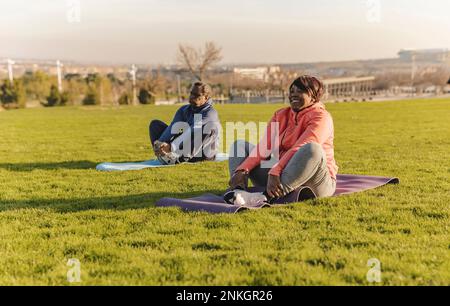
(249, 31)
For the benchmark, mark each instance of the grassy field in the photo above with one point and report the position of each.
(54, 205)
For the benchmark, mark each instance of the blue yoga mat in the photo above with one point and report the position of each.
(133, 166)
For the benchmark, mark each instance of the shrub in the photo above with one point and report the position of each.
(126, 99)
(12, 95)
(99, 90)
(56, 98)
(92, 96)
(145, 97)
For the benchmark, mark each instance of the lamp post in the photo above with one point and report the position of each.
(179, 88)
(413, 71)
(10, 63)
(133, 72)
(59, 66)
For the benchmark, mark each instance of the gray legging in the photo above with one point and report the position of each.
(308, 167)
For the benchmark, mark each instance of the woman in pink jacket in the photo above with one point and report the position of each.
(300, 140)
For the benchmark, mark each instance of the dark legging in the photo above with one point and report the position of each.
(156, 129)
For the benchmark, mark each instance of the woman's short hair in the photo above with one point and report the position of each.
(312, 85)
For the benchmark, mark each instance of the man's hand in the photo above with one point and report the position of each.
(161, 148)
(239, 179)
(274, 187)
(165, 148)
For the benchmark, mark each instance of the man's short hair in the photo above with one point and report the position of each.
(203, 88)
(310, 84)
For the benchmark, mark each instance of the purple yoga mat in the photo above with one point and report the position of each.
(346, 184)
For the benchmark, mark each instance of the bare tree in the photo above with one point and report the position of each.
(198, 61)
(155, 83)
(438, 77)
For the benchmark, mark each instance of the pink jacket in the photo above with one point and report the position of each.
(313, 124)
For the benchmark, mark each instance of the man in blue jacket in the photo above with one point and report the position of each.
(193, 135)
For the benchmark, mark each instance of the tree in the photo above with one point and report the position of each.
(150, 87)
(114, 79)
(12, 95)
(99, 90)
(126, 98)
(92, 96)
(56, 98)
(146, 97)
(436, 76)
(75, 87)
(37, 84)
(198, 61)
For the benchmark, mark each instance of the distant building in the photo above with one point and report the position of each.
(432, 90)
(404, 90)
(428, 55)
(354, 87)
(258, 73)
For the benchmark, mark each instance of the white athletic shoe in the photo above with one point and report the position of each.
(169, 159)
(244, 198)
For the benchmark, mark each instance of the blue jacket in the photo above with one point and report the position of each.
(209, 116)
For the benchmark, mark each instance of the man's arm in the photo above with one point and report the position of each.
(207, 132)
(167, 134)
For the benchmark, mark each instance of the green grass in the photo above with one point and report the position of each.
(54, 205)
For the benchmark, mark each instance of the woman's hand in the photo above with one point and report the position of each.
(239, 179)
(274, 187)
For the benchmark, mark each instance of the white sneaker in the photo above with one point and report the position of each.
(169, 159)
(244, 198)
